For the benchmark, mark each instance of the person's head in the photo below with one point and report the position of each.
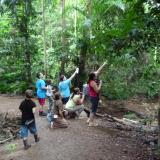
(55, 89)
(40, 75)
(29, 93)
(92, 76)
(48, 81)
(62, 78)
(57, 96)
(76, 90)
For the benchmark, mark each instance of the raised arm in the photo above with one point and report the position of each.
(100, 68)
(73, 75)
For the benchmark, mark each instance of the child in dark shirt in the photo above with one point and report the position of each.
(27, 107)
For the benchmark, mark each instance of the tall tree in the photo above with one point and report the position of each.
(25, 33)
(63, 58)
(85, 42)
(75, 18)
(23, 13)
(44, 38)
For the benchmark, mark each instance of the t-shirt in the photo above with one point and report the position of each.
(64, 88)
(49, 90)
(41, 93)
(71, 103)
(92, 92)
(86, 89)
(58, 105)
(26, 107)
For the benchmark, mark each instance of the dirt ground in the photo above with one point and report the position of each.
(78, 141)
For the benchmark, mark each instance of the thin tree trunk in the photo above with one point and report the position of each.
(75, 20)
(82, 62)
(44, 37)
(63, 39)
(159, 128)
(26, 37)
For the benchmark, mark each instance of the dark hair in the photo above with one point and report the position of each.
(38, 75)
(57, 96)
(29, 93)
(91, 76)
(56, 88)
(61, 77)
(48, 81)
(75, 91)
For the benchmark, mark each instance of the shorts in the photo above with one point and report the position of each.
(25, 128)
(94, 101)
(65, 100)
(41, 101)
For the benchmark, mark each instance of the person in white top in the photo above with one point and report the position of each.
(49, 94)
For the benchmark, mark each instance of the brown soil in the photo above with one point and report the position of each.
(78, 141)
(138, 105)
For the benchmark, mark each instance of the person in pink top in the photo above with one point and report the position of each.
(94, 89)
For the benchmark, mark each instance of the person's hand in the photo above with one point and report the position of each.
(105, 62)
(100, 82)
(77, 70)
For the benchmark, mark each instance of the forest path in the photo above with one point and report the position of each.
(77, 142)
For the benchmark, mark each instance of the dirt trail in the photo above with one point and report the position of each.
(77, 142)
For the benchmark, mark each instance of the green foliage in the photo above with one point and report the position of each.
(12, 83)
(11, 147)
(130, 115)
(124, 32)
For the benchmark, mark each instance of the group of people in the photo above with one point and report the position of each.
(62, 103)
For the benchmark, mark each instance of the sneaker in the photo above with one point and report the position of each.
(92, 124)
(37, 139)
(88, 120)
(100, 101)
(27, 147)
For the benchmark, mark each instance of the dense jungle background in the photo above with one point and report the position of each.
(57, 36)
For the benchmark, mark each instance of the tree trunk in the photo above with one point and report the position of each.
(63, 38)
(82, 62)
(159, 128)
(75, 20)
(25, 33)
(83, 52)
(44, 38)
(28, 63)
